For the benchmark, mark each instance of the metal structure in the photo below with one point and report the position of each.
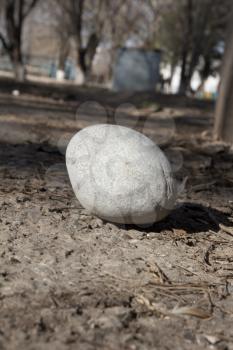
(136, 69)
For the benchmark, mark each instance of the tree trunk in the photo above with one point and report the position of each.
(17, 63)
(81, 66)
(90, 52)
(223, 127)
(19, 71)
(183, 78)
(63, 54)
(14, 21)
(197, 42)
(173, 68)
(86, 56)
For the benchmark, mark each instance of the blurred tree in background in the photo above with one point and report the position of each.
(103, 22)
(13, 16)
(191, 33)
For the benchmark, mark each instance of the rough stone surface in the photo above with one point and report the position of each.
(120, 175)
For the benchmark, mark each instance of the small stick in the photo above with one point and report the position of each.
(162, 276)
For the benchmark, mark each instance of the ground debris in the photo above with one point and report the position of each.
(69, 280)
(176, 311)
(226, 229)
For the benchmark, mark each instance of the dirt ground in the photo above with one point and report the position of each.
(68, 280)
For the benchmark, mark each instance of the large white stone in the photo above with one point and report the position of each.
(120, 175)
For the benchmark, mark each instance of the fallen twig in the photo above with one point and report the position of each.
(156, 270)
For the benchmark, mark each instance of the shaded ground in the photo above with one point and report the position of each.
(71, 281)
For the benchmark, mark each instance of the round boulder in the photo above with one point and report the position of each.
(120, 175)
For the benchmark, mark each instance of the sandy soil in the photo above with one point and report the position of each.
(68, 280)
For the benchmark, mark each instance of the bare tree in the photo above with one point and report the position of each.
(14, 14)
(203, 35)
(71, 22)
(189, 32)
(223, 127)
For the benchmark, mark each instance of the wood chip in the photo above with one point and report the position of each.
(226, 229)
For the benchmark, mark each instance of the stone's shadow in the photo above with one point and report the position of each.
(189, 217)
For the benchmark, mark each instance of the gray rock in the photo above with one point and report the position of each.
(120, 175)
